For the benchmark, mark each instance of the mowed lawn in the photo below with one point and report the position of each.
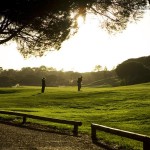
(125, 107)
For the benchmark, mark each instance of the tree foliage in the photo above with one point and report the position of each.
(133, 71)
(144, 60)
(98, 68)
(32, 76)
(42, 25)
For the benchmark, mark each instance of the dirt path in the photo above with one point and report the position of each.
(23, 138)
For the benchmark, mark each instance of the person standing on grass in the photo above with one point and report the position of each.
(43, 85)
(79, 81)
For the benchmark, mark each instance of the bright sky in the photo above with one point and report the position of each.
(89, 47)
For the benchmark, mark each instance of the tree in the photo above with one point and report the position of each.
(133, 72)
(98, 68)
(105, 68)
(41, 25)
(1, 69)
(6, 81)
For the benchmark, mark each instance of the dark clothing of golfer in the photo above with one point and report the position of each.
(79, 83)
(43, 85)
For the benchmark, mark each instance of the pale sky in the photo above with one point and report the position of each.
(89, 47)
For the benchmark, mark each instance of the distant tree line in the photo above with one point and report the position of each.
(134, 71)
(32, 77)
(131, 71)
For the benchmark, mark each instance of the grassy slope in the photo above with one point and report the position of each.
(126, 108)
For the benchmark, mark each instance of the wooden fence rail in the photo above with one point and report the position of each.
(25, 116)
(139, 137)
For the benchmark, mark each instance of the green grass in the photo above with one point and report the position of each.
(126, 107)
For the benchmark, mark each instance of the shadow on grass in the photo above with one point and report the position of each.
(37, 94)
(111, 146)
(8, 91)
(101, 144)
(38, 127)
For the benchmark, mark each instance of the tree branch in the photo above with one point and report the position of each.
(11, 36)
(104, 15)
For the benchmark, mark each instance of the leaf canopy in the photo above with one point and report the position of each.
(42, 25)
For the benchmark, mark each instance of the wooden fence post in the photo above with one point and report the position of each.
(24, 119)
(75, 130)
(146, 145)
(93, 133)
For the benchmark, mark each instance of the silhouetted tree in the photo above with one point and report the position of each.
(51, 80)
(145, 60)
(1, 69)
(41, 25)
(133, 72)
(6, 81)
(98, 68)
(32, 77)
(30, 80)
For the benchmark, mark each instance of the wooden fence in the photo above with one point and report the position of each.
(25, 116)
(139, 137)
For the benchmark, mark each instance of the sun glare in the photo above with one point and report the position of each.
(80, 21)
(89, 47)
